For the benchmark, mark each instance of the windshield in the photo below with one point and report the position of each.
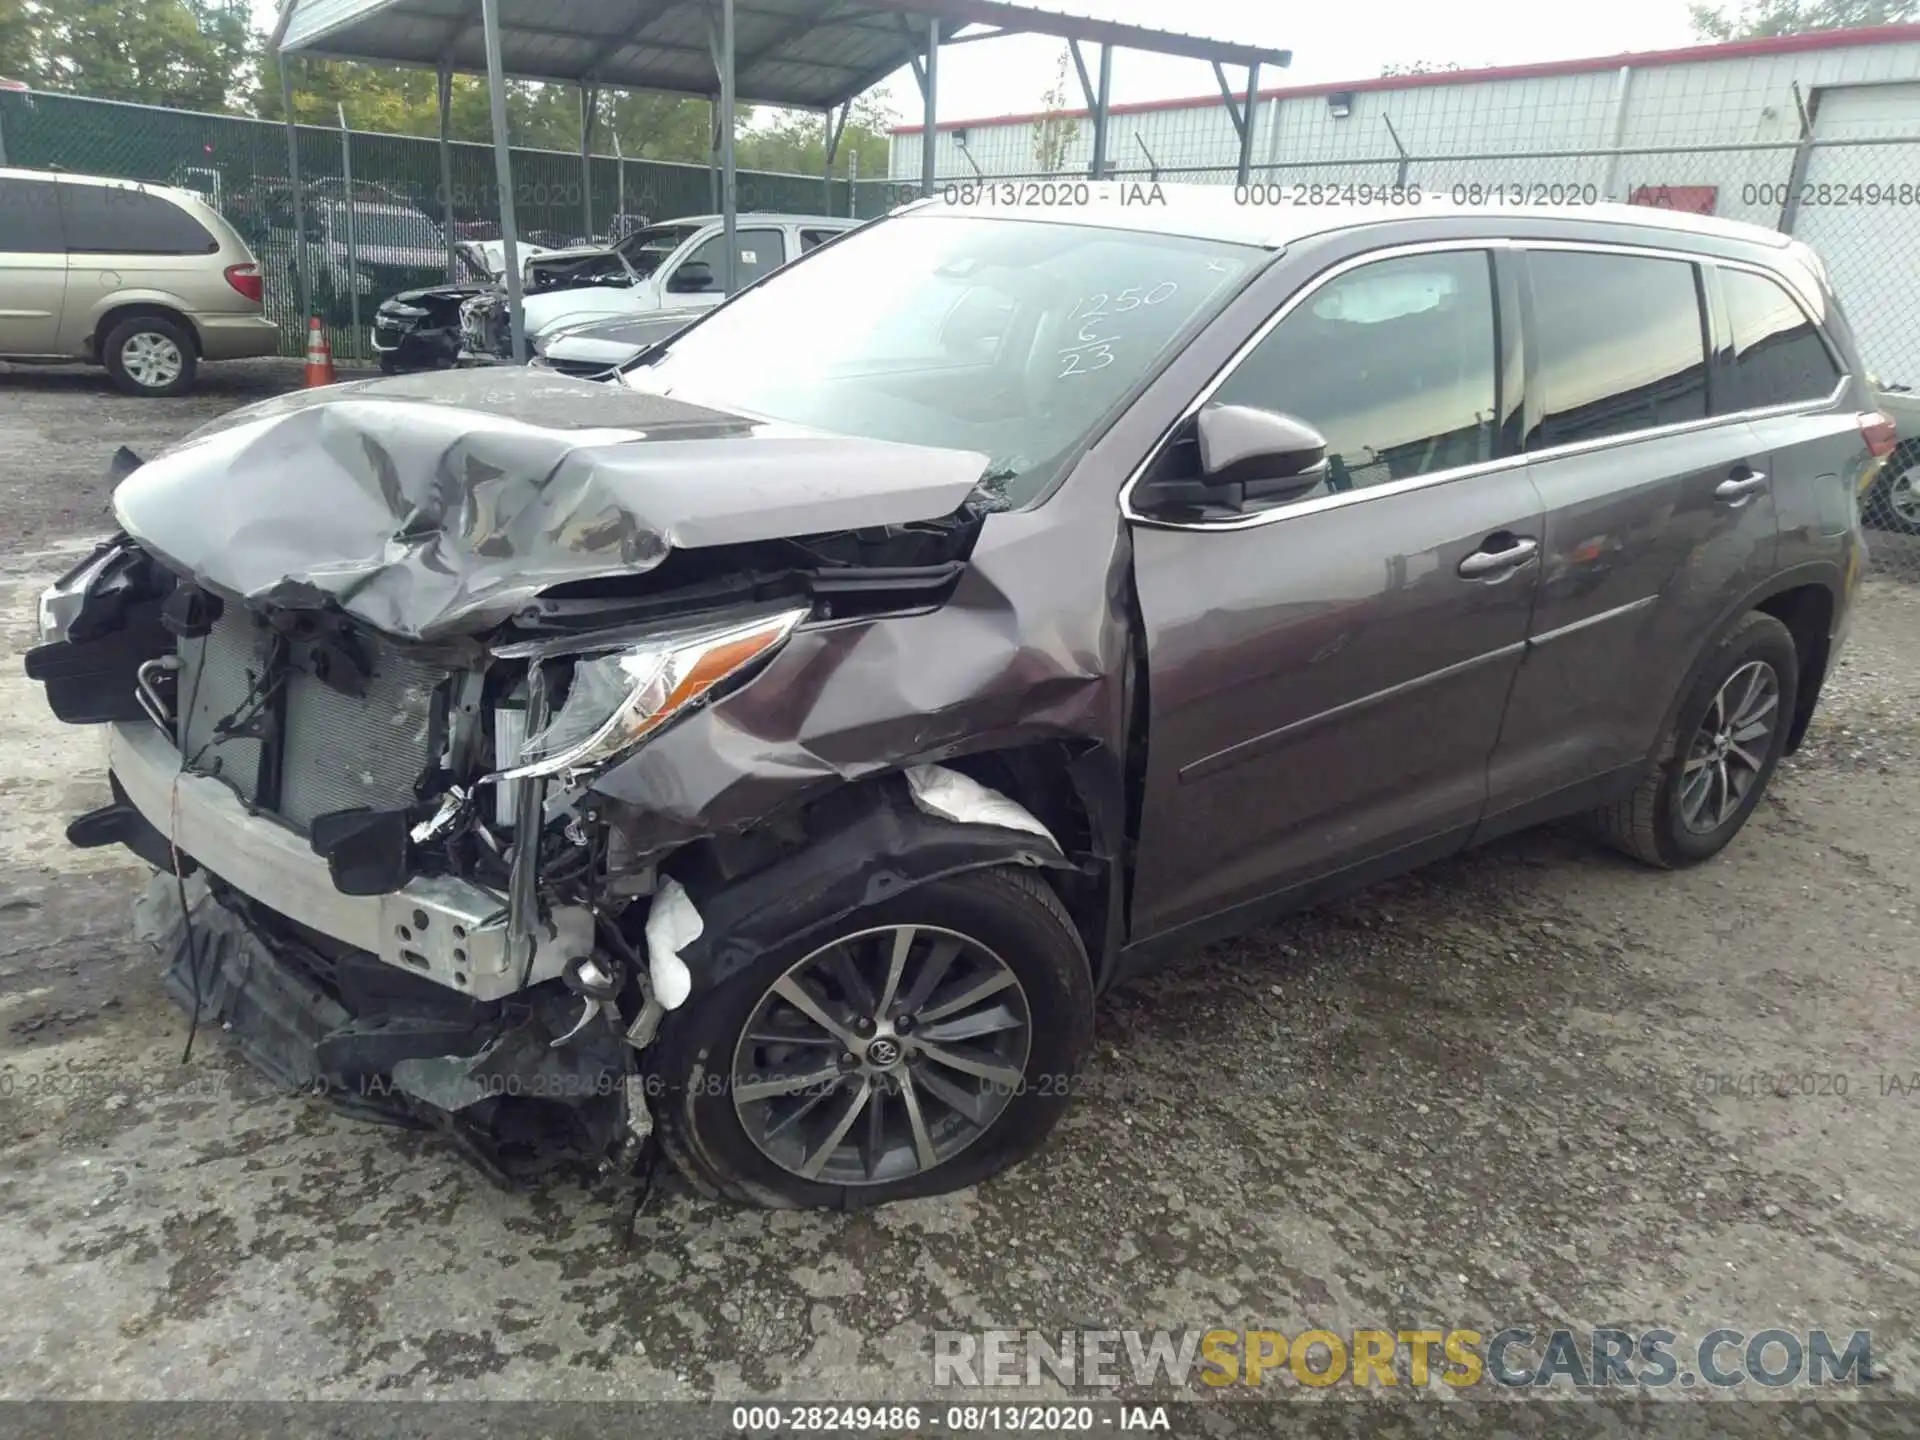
(646, 249)
(390, 230)
(1011, 337)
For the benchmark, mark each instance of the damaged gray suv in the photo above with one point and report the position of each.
(769, 754)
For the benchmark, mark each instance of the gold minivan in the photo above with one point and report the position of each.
(145, 280)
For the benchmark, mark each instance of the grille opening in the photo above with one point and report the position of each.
(332, 751)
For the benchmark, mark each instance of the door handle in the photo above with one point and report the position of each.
(1736, 488)
(1485, 563)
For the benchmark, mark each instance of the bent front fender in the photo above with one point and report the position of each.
(879, 845)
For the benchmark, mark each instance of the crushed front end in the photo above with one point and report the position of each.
(466, 748)
(365, 917)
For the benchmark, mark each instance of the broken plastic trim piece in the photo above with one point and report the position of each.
(672, 924)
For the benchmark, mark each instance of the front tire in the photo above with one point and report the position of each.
(150, 355)
(918, 1046)
(1718, 755)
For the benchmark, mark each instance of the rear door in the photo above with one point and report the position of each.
(1326, 677)
(1787, 379)
(124, 237)
(33, 267)
(1659, 508)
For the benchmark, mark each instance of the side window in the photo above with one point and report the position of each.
(810, 238)
(1621, 345)
(760, 252)
(111, 220)
(1393, 362)
(1779, 357)
(30, 218)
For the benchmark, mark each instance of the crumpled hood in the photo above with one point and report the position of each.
(435, 505)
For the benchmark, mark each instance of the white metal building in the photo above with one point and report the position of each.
(1784, 110)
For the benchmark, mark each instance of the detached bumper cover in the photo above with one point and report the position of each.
(462, 944)
(385, 1047)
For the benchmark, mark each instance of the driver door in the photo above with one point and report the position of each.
(1326, 676)
(699, 279)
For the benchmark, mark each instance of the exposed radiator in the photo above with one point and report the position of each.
(338, 751)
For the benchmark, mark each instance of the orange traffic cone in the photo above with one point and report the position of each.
(319, 355)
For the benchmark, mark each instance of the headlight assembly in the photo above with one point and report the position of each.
(619, 698)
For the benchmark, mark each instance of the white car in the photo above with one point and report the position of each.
(672, 266)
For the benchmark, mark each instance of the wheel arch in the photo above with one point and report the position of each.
(1806, 600)
(131, 309)
(867, 841)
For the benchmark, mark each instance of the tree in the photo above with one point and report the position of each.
(796, 143)
(1055, 131)
(1757, 18)
(182, 54)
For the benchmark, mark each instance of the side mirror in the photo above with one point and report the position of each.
(692, 278)
(1241, 445)
(1239, 457)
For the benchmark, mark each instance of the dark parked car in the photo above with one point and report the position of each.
(774, 753)
(596, 348)
(420, 329)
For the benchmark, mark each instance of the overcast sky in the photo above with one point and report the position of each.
(1350, 41)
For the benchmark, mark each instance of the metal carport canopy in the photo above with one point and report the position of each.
(805, 54)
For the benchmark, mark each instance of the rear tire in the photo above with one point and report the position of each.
(150, 355)
(1894, 502)
(754, 1150)
(1714, 762)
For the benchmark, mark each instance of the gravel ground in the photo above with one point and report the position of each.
(1487, 1094)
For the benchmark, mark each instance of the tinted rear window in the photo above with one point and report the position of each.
(1779, 357)
(1621, 345)
(109, 220)
(29, 217)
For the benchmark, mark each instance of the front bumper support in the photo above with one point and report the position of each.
(443, 929)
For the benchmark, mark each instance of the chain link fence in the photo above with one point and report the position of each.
(382, 230)
(1855, 201)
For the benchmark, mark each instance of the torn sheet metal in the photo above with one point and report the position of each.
(438, 504)
(965, 801)
(672, 925)
(885, 845)
(853, 701)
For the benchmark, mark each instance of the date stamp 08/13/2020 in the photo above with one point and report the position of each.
(1069, 193)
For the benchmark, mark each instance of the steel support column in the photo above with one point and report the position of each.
(589, 108)
(836, 127)
(445, 92)
(353, 237)
(1247, 128)
(304, 284)
(930, 86)
(1102, 112)
(729, 182)
(503, 176)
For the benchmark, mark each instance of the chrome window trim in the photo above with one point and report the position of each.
(1485, 467)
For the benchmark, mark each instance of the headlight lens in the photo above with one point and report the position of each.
(618, 699)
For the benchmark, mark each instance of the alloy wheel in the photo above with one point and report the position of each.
(1903, 496)
(881, 1055)
(1730, 747)
(151, 359)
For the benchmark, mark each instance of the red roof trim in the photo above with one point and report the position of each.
(1731, 50)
